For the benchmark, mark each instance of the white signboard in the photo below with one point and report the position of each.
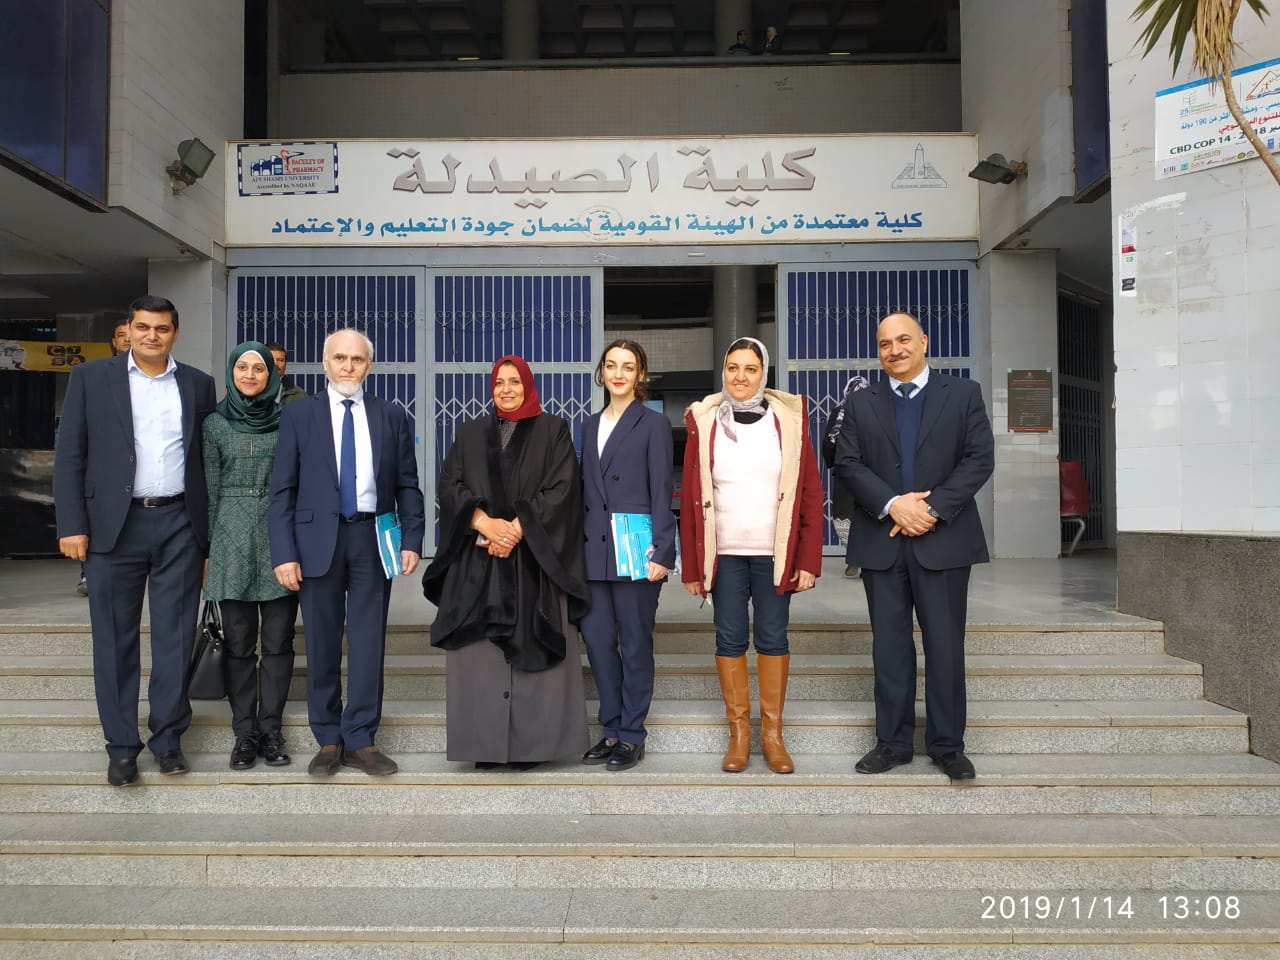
(1195, 130)
(818, 189)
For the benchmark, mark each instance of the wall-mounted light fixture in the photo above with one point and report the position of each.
(194, 157)
(996, 169)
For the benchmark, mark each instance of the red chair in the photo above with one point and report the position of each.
(1073, 497)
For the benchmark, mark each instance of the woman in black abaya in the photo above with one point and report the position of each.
(509, 582)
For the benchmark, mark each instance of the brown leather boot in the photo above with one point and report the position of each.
(772, 674)
(737, 707)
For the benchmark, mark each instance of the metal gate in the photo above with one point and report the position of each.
(299, 308)
(554, 319)
(1080, 427)
(451, 324)
(827, 321)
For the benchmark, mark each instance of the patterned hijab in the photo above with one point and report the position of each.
(531, 407)
(256, 414)
(729, 406)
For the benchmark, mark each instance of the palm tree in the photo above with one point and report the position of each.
(1211, 24)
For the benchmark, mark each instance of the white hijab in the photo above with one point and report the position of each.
(728, 406)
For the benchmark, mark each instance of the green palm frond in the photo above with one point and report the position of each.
(1208, 22)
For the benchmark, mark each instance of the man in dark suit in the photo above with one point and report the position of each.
(131, 504)
(914, 449)
(343, 458)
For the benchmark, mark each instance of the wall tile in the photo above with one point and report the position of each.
(1205, 421)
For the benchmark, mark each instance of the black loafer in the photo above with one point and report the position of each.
(370, 760)
(600, 753)
(121, 773)
(173, 762)
(625, 756)
(273, 752)
(956, 766)
(245, 753)
(879, 760)
(326, 761)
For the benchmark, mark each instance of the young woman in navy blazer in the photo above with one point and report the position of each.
(626, 468)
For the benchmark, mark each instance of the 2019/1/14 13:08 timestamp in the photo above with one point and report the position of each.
(1102, 907)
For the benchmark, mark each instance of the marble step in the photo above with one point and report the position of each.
(693, 677)
(142, 949)
(743, 919)
(1142, 637)
(813, 726)
(793, 852)
(668, 785)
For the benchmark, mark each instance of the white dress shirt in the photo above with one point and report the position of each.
(919, 382)
(606, 430)
(366, 482)
(156, 404)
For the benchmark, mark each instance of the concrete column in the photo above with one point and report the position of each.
(198, 288)
(733, 311)
(732, 16)
(1021, 293)
(519, 30)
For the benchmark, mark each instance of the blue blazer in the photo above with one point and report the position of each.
(954, 457)
(302, 512)
(632, 476)
(95, 460)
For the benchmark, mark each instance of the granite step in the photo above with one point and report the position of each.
(668, 786)
(693, 677)
(1141, 637)
(772, 851)
(143, 949)
(740, 918)
(813, 726)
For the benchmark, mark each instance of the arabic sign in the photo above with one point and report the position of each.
(44, 356)
(818, 189)
(286, 169)
(1030, 401)
(1195, 130)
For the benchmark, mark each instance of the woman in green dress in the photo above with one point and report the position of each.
(239, 451)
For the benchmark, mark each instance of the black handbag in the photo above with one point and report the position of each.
(207, 677)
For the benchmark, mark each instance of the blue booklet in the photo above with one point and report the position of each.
(389, 544)
(632, 544)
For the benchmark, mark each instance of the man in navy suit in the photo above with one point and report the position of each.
(343, 458)
(914, 449)
(130, 496)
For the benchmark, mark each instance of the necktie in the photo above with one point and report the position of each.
(347, 464)
(905, 389)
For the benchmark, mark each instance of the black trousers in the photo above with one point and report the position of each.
(258, 687)
(940, 601)
(155, 555)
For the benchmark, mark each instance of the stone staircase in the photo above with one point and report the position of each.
(1116, 814)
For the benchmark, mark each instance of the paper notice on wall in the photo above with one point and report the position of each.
(1128, 273)
(1194, 130)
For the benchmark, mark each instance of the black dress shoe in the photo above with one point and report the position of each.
(488, 764)
(272, 749)
(245, 753)
(520, 766)
(625, 756)
(370, 760)
(326, 761)
(601, 752)
(879, 760)
(956, 766)
(121, 773)
(173, 762)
